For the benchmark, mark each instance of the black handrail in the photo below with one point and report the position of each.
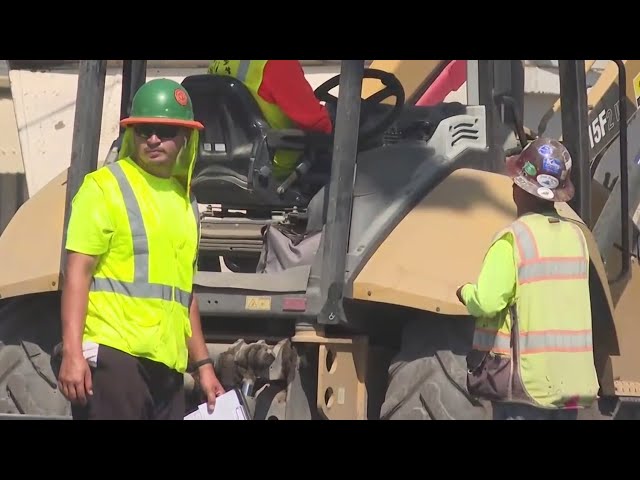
(336, 237)
(518, 127)
(624, 172)
(573, 85)
(85, 143)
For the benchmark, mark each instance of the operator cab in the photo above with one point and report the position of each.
(236, 149)
(234, 165)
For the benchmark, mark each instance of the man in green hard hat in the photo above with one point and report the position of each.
(130, 323)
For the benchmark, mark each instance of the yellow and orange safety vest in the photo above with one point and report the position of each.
(540, 347)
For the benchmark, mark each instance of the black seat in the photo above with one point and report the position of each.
(235, 153)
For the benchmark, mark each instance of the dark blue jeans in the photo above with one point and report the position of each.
(516, 411)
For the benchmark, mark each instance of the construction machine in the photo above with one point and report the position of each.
(397, 207)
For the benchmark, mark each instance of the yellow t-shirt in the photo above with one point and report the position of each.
(91, 226)
(93, 230)
(496, 283)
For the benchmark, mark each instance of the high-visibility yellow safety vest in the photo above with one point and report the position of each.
(545, 338)
(250, 73)
(141, 290)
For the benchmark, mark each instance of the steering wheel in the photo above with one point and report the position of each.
(392, 88)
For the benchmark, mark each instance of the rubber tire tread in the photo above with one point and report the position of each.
(29, 331)
(427, 377)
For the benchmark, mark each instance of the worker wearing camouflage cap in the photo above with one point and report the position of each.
(130, 323)
(532, 349)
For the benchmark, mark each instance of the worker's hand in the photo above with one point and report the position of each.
(210, 385)
(74, 379)
(459, 293)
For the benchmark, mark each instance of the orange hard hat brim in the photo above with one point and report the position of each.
(127, 122)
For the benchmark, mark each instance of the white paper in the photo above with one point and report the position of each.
(228, 407)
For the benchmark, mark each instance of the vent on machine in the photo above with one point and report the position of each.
(418, 130)
(391, 136)
(464, 130)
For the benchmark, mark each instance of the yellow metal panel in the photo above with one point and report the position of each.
(31, 244)
(440, 244)
(412, 74)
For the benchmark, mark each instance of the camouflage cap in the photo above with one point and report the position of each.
(543, 169)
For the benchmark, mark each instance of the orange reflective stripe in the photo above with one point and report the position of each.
(552, 367)
(555, 341)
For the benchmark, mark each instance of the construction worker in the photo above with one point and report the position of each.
(130, 322)
(285, 97)
(532, 302)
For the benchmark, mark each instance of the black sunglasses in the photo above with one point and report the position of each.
(163, 132)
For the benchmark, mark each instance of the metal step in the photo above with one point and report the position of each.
(292, 280)
(232, 231)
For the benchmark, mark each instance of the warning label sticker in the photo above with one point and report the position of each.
(257, 303)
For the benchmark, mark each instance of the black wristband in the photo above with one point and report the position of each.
(196, 365)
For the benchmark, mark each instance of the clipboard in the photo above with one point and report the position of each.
(231, 405)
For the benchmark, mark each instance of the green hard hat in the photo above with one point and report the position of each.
(162, 101)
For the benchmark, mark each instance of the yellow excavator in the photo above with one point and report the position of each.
(366, 325)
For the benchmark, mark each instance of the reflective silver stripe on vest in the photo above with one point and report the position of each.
(535, 268)
(535, 342)
(133, 289)
(490, 340)
(526, 241)
(139, 233)
(243, 70)
(556, 341)
(183, 297)
(196, 212)
(553, 270)
(140, 287)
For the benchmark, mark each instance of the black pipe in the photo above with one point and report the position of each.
(134, 74)
(138, 76)
(336, 235)
(486, 97)
(515, 115)
(624, 171)
(573, 89)
(86, 133)
(125, 97)
(544, 121)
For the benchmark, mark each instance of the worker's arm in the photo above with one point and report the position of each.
(496, 283)
(284, 84)
(75, 295)
(197, 346)
(88, 236)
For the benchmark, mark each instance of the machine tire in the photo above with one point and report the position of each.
(427, 377)
(29, 331)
